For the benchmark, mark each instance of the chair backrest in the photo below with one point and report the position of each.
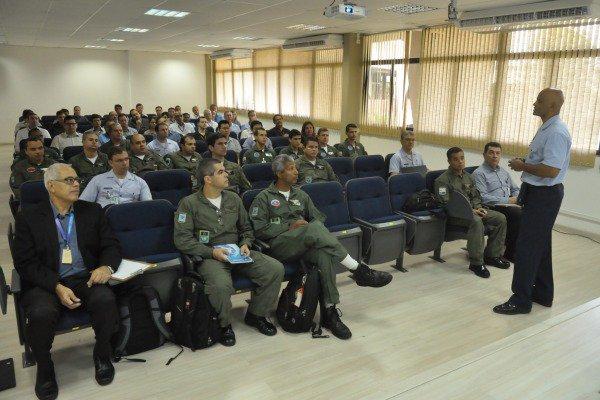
(373, 165)
(471, 169)
(206, 154)
(242, 140)
(280, 141)
(71, 151)
(231, 156)
(343, 168)
(171, 184)
(148, 137)
(368, 198)
(259, 175)
(201, 146)
(144, 229)
(46, 121)
(47, 142)
(242, 154)
(328, 197)
(388, 158)
(32, 193)
(402, 186)
(421, 169)
(431, 177)
(278, 149)
(248, 197)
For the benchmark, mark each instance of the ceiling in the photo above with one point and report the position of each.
(77, 23)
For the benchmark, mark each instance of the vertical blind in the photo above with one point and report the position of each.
(481, 87)
(297, 84)
(385, 106)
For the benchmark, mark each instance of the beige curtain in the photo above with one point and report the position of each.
(298, 84)
(385, 83)
(481, 87)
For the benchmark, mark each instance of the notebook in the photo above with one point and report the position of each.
(235, 255)
(129, 269)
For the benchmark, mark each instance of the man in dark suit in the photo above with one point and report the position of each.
(65, 253)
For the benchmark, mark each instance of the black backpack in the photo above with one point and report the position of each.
(298, 301)
(194, 321)
(142, 326)
(423, 200)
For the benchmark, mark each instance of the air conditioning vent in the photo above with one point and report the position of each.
(314, 42)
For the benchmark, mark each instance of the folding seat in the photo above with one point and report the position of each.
(230, 156)
(171, 184)
(259, 175)
(343, 168)
(329, 198)
(388, 158)
(431, 177)
(384, 231)
(71, 151)
(280, 141)
(471, 169)
(366, 166)
(32, 193)
(420, 169)
(424, 229)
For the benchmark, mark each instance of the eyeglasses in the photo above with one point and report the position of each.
(69, 181)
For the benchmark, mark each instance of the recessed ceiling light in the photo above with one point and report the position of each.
(246, 38)
(208, 45)
(112, 39)
(408, 8)
(166, 13)
(304, 27)
(132, 30)
(91, 46)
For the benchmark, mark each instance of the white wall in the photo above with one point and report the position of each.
(46, 79)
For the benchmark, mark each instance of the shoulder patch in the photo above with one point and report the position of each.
(442, 191)
(181, 217)
(275, 203)
(254, 211)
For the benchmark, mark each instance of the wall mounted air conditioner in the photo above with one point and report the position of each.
(521, 16)
(231, 53)
(330, 41)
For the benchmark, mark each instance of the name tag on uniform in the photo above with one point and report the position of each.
(204, 236)
(67, 256)
(320, 167)
(276, 220)
(295, 202)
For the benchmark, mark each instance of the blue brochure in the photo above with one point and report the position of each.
(235, 256)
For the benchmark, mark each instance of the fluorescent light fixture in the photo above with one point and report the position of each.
(304, 27)
(246, 38)
(209, 45)
(166, 13)
(408, 8)
(112, 39)
(132, 30)
(2, 38)
(91, 46)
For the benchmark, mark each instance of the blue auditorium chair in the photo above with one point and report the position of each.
(373, 165)
(170, 184)
(329, 198)
(259, 175)
(343, 168)
(230, 156)
(471, 169)
(384, 231)
(71, 151)
(280, 141)
(32, 193)
(424, 229)
(431, 177)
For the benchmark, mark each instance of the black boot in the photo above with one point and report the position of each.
(105, 371)
(46, 387)
(365, 276)
(497, 262)
(261, 323)
(480, 270)
(331, 320)
(227, 336)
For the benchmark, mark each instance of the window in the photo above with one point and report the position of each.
(386, 107)
(481, 87)
(297, 84)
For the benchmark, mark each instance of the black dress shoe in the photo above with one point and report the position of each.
(365, 276)
(46, 387)
(541, 302)
(509, 308)
(331, 320)
(227, 336)
(480, 270)
(260, 323)
(497, 262)
(105, 372)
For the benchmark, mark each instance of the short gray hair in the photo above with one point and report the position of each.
(280, 162)
(406, 133)
(53, 173)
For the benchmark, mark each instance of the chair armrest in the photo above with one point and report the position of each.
(15, 284)
(364, 223)
(259, 245)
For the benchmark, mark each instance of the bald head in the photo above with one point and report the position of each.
(548, 103)
(138, 144)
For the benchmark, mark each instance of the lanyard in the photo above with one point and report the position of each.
(66, 236)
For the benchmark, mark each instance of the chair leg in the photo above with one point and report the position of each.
(399, 265)
(27, 357)
(437, 255)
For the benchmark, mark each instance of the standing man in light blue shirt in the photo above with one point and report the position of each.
(499, 192)
(544, 171)
(118, 185)
(405, 157)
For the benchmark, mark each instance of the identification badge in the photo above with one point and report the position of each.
(254, 211)
(67, 257)
(276, 220)
(295, 202)
(256, 154)
(350, 148)
(204, 236)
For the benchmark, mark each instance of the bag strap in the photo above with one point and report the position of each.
(156, 311)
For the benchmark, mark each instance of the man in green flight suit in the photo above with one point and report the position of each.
(325, 150)
(456, 179)
(215, 216)
(295, 148)
(32, 167)
(142, 159)
(286, 218)
(186, 158)
(350, 147)
(90, 162)
(217, 145)
(312, 169)
(259, 153)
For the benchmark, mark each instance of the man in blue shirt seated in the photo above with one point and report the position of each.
(406, 156)
(499, 192)
(65, 253)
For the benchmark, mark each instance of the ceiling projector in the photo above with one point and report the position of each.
(345, 10)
